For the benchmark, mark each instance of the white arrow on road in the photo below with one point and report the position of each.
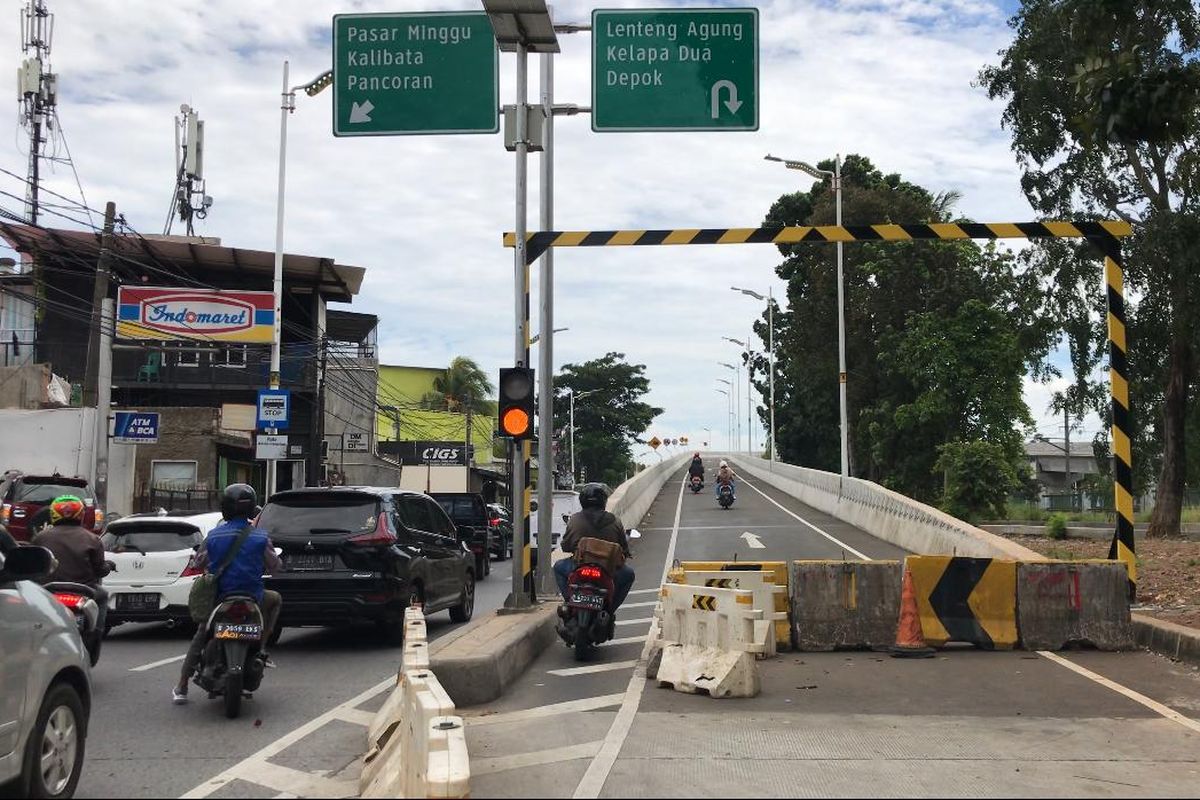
(733, 104)
(361, 113)
(752, 540)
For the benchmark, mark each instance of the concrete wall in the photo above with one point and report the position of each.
(633, 498)
(184, 434)
(346, 411)
(881, 512)
(24, 386)
(47, 441)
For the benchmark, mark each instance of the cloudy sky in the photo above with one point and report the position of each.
(889, 79)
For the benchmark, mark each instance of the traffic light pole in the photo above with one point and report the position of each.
(546, 353)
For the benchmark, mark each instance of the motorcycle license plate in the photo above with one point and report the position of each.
(147, 601)
(248, 632)
(589, 600)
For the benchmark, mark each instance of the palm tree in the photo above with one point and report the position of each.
(462, 384)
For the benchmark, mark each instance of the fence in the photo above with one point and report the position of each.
(194, 499)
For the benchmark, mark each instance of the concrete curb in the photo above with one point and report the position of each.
(478, 665)
(1174, 641)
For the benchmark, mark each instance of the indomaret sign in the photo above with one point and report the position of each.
(195, 314)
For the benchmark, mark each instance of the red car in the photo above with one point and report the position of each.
(24, 500)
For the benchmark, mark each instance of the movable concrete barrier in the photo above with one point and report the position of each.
(1062, 603)
(776, 571)
(839, 605)
(417, 747)
(767, 596)
(707, 640)
(966, 600)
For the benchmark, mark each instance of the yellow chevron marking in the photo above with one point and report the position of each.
(1063, 229)
(926, 571)
(1117, 227)
(947, 230)
(570, 238)
(510, 239)
(993, 601)
(1124, 503)
(1114, 276)
(791, 235)
(625, 237)
(681, 236)
(736, 235)
(744, 600)
(1116, 332)
(1126, 555)
(1006, 230)
(892, 232)
(833, 233)
(1121, 448)
(1120, 388)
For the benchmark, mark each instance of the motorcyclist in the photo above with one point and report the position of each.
(79, 552)
(255, 557)
(725, 477)
(697, 467)
(597, 523)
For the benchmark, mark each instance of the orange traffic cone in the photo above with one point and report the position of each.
(910, 641)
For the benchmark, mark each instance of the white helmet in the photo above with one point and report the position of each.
(724, 463)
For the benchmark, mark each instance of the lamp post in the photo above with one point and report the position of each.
(728, 411)
(572, 424)
(286, 106)
(737, 402)
(534, 339)
(749, 391)
(708, 441)
(770, 352)
(836, 176)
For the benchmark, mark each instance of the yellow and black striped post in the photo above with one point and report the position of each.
(1105, 234)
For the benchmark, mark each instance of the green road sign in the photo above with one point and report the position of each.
(675, 70)
(414, 73)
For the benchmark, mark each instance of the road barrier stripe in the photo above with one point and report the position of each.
(966, 600)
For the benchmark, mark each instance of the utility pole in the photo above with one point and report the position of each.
(104, 400)
(37, 91)
(1067, 453)
(467, 438)
(91, 381)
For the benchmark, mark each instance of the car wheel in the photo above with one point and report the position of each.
(54, 754)
(481, 566)
(502, 551)
(466, 603)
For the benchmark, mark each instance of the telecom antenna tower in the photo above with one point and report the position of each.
(188, 199)
(37, 92)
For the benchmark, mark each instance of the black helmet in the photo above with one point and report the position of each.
(593, 495)
(238, 501)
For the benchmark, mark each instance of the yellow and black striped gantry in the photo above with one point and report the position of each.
(1104, 234)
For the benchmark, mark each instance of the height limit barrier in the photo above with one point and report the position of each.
(1105, 235)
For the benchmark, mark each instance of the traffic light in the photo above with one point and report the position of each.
(517, 407)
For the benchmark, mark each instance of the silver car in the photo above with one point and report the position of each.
(45, 684)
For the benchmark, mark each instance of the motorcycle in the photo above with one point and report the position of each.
(696, 484)
(81, 600)
(588, 617)
(229, 662)
(725, 495)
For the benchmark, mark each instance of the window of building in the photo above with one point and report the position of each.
(188, 358)
(173, 474)
(233, 355)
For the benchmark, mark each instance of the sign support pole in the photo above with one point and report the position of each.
(546, 354)
(104, 399)
(277, 281)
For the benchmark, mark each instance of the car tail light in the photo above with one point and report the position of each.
(589, 572)
(191, 570)
(381, 535)
(99, 520)
(71, 601)
(494, 522)
(238, 612)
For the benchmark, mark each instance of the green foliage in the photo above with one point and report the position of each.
(608, 421)
(463, 384)
(979, 476)
(939, 337)
(1056, 526)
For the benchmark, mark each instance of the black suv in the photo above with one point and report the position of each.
(468, 509)
(362, 553)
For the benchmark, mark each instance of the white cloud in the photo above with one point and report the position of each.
(889, 80)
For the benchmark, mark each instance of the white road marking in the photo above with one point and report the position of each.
(646, 604)
(592, 782)
(655, 590)
(593, 668)
(154, 664)
(634, 621)
(255, 767)
(752, 540)
(356, 716)
(628, 640)
(1136, 697)
(689, 529)
(551, 710)
(799, 518)
(486, 766)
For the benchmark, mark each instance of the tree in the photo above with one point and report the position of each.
(608, 421)
(939, 337)
(979, 478)
(1101, 100)
(462, 385)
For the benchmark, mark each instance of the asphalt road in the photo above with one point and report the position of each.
(140, 745)
(966, 723)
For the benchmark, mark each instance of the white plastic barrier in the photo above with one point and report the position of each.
(417, 747)
(765, 593)
(708, 640)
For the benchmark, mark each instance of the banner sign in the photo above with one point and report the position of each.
(437, 454)
(206, 315)
(135, 427)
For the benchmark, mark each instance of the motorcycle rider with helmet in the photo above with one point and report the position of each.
(244, 576)
(697, 467)
(597, 523)
(725, 476)
(78, 551)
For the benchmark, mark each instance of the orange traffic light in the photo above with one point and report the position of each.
(517, 405)
(515, 423)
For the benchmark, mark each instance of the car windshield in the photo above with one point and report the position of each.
(151, 538)
(45, 492)
(459, 507)
(320, 513)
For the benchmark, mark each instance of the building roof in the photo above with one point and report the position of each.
(1040, 449)
(190, 257)
(349, 326)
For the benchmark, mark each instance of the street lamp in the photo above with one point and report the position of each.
(729, 411)
(533, 339)
(708, 442)
(836, 176)
(287, 106)
(737, 402)
(749, 392)
(770, 351)
(573, 395)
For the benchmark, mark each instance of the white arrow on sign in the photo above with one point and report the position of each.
(361, 113)
(752, 540)
(733, 104)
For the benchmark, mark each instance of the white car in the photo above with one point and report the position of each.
(152, 553)
(45, 682)
(566, 502)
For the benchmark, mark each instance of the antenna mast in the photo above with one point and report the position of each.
(188, 199)
(37, 91)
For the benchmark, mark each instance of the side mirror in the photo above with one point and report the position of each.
(566, 517)
(465, 533)
(634, 533)
(27, 564)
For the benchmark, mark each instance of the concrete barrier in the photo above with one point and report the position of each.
(481, 663)
(707, 640)
(839, 605)
(776, 571)
(1062, 603)
(966, 600)
(632, 499)
(1174, 641)
(768, 596)
(415, 656)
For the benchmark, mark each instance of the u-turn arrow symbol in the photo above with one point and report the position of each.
(733, 104)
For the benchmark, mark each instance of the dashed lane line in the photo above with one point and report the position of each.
(551, 710)
(655, 590)
(591, 669)
(155, 664)
(634, 621)
(647, 604)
